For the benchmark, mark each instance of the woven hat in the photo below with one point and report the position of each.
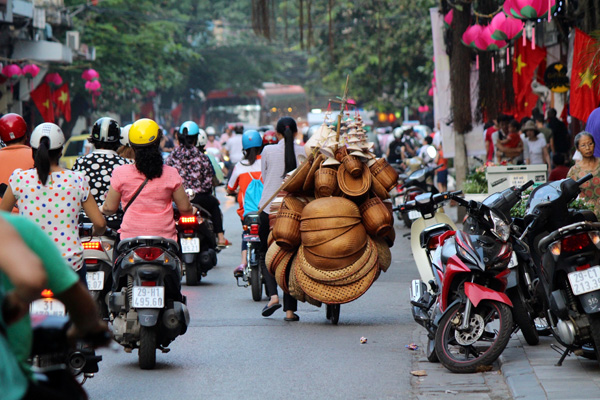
(342, 245)
(330, 264)
(315, 238)
(330, 294)
(273, 257)
(310, 177)
(384, 255)
(328, 207)
(352, 186)
(529, 126)
(323, 224)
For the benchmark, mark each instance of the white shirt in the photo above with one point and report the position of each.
(535, 148)
(235, 149)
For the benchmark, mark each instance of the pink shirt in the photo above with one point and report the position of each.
(151, 213)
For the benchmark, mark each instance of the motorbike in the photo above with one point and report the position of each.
(198, 244)
(252, 275)
(98, 258)
(424, 239)
(146, 306)
(565, 247)
(56, 363)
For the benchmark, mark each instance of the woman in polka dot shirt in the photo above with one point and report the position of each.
(53, 197)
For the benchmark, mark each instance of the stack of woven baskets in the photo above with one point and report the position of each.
(333, 228)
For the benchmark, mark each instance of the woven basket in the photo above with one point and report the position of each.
(351, 186)
(384, 255)
(325, 182)
(293, 286)
(340, 153)
(281, 272)
(329, 207)
(270, 239)
(272, 253)
(315, 238)
(384, 173)
(293, 203)
(390, 238)
(309, 183)
(324, 224)
(366, 267)
(353, 165)
(330, 264)
(330, 294)
(376, 218)
(342, 245)
(286, 230)
(296, 182)
(378, 189)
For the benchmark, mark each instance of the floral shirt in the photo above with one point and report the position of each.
(194, 167)
(54, 207)
(590, 191)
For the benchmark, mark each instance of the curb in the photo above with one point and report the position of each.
(518, 373)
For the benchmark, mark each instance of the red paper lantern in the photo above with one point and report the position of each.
(54, 80)
(93, 86)
(31, 71)
(90, 74)
(12, 70)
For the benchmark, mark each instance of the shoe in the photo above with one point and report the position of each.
(224, 244)
(269, 310)
(293, 319)
(239, 271)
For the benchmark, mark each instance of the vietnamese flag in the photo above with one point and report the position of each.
(62, 100)
(42, 99)
(584, 84)
(525, 61)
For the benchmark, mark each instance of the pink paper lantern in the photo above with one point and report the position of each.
(430, 92)
(90, 74)
(505, 28)
(448, 18)
(485, 42)
(12, 70)
(31, 71)
(471, 33)
(54, 79)
(529, 9)
(93, 86)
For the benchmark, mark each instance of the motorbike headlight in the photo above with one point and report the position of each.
(501, 229)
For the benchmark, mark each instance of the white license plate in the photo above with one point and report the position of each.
(513, 261)
(148, 297)
(585, 281)
(47, 307)
(251, 238)
(190, 245)
(95, 280)
(414, 214)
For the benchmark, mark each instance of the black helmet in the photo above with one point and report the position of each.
(106, 130)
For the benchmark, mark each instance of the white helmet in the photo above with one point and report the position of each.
(49, 130)
(210, 131)
(125, 135)
(398, 132)
(202, 138)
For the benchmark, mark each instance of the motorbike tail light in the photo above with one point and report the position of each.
(92, 246)
(582, 267)
(148, 283)
(149, 253)
(412, 195)
(91, 261)
(188, 231)
(575, 243)
(254, 229)
(47, 293)
(188, 220)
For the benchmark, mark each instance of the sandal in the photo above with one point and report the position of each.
(239, 271)
(224, 244)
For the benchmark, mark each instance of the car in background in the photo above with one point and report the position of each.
(76, 146)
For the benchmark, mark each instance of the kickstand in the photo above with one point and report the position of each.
(164, 349)
(565, 353)
(237, 279)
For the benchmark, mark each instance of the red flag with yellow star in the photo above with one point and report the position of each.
(62, 100)
(525, 61)
(42, 99)
(585, 86)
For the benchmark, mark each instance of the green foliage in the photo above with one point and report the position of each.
(476, 182)
(518, 211)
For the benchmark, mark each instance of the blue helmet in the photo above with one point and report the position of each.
(189, 128)
(251, 139)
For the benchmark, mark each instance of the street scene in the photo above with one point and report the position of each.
(291, 199)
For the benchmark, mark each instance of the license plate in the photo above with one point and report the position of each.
(190, 245)
(414, 214)
(585, 281)
(95, 280)
(148, 297)
(251, 238)
(47, 307)
(513, 261)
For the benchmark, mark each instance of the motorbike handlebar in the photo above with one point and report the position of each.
(526, 186)
(584, 179)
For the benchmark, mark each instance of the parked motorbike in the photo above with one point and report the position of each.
(565, 247)
(146, 306)
(198, 243)
(98, 258)
(419, 182)
(252, 275)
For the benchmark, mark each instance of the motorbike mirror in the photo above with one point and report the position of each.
(431, 151)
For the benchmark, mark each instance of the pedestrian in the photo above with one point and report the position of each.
(561, 141)
(590, 190)
(537, 151)
(277, 160)
(560, 170)
(510, 147)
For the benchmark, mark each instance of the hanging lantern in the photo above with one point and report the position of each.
(90, 74)
(93, 86)
(12, 71)
(506, 28)
(430, 92)
(448, 18)
(54, 80)
(31, 71)
(529, 9)
(471, 33)
(485, 42)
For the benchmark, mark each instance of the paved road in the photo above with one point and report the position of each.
(231, 351)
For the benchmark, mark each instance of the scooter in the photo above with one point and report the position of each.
(417, 183)
(146, 306)
(252, 275)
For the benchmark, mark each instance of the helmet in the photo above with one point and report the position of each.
(202, 138)
(210, 131)
(125, 134)
(144, 132)
(270, 138)
(106, 130)
(12, 127)
(251, 139)
(189, 128)
(398, 132)
(49, 130)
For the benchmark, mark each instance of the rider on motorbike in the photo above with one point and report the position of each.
(16, 154)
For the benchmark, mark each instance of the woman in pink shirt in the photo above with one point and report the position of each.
(151, 213)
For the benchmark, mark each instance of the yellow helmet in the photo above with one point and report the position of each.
(144, 132)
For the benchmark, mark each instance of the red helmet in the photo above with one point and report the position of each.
(12, 127)
(270, 137)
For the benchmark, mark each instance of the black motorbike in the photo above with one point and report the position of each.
(198, 244)
(147, 308)
(417, 183)
(252, 275)
(565, 247)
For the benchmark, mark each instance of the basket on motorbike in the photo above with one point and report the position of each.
(286, 230)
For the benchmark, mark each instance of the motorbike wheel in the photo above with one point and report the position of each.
(481, 344)
(522, 317)
(147, 350)
(192, 278)
(595, 333)
(430, 351)
(256, 283)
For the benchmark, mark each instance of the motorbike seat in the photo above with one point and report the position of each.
(432, 231)
(155, 241)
